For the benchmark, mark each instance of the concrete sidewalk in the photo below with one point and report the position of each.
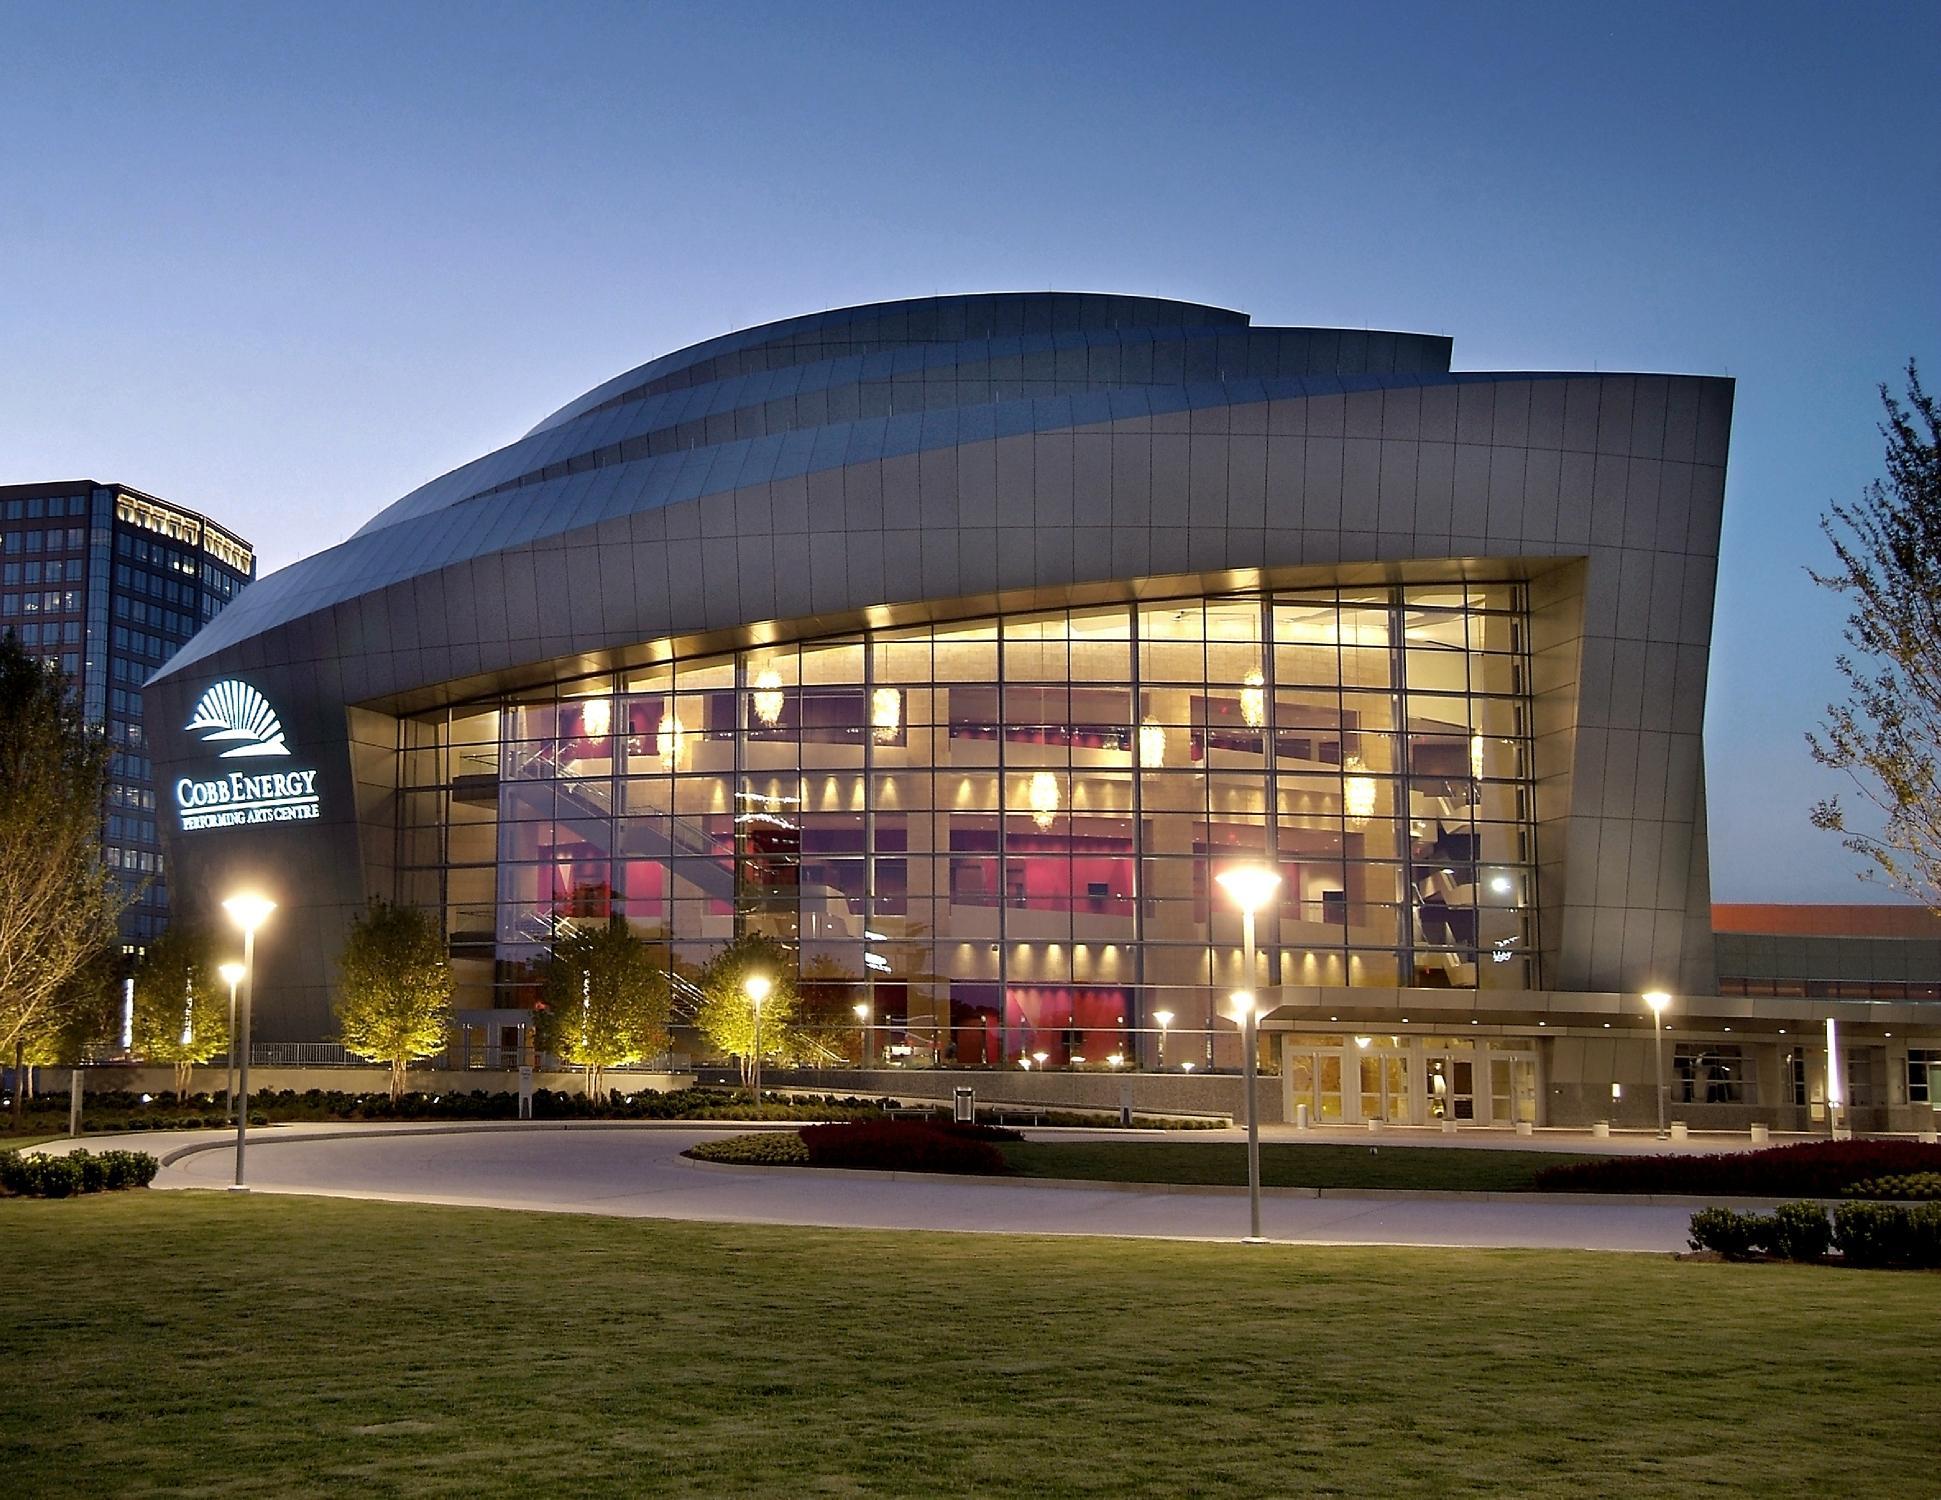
(640, 1173)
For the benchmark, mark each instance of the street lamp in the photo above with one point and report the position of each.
(756, 988)
(1250, 887)
(1165, 1019)
(231, 972)
(1658, 1000)
(1244, 1012)
(862, 1017)
(249, 911)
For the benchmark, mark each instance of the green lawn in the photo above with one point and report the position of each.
(11, 1142)
(175, 1344)
(1225, 1164)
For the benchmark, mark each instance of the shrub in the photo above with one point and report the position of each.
(77, 1172)
(1924, 1186)
(900, 1146)
(1797, 1231)
(1888, 1234)
(1814, 1169)
(1732, 1235)
(767, 1148)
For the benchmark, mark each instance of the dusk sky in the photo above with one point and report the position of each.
(284, 263)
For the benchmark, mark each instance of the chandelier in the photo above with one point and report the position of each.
(886, 714)
(1152, 743)
(1044, 799)
(1253, 700)
(767, 696)
(1357, 792)
(668, 738)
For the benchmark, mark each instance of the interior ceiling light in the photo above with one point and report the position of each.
(1044, 799)
(669, 737)
(1253, 700)
(1357, 792)
(767, 696)
(1152, 744)
(886, 714)
(596, 717)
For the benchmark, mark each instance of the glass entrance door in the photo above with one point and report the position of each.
(1314, 1079)
(1451, 1088)
(1385, 1087)
(1513, 1090)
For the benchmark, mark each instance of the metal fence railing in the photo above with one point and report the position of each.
(302, 1055)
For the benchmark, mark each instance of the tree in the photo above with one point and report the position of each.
(181, 1003)
(86, 1014)
(826, 999)
(1887, 735)
(395, 1003)
(606, 1002)
(60, 906)
(726, 1016)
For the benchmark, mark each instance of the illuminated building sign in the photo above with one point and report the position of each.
(236, 716)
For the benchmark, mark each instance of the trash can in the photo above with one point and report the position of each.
(963, 1106)
(1300, 1117)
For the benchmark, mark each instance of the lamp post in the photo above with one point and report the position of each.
(231, 972)
(248, 911)
(1165, 1019)
(1658, 1000)
(1250, 887)
(756, 988)
(1836, 1094)
(862, 1016)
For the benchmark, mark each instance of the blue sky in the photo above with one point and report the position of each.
(285, 262)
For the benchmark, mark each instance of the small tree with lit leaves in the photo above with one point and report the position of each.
(606, 1002)
(181, 1006)
(395, 1001)
(1887, 735)
(725, 1015)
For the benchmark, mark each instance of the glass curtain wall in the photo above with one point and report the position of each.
(999, 837)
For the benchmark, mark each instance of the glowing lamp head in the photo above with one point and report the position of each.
(1163, 1017)
(248, 910)
(1657, 1000)
(862, 1010)
(756, 987)
(1243, 1005)
(1249, 887)
(232, 973)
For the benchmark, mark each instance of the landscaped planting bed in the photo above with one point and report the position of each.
(118, 1110)
(879, 1145)
(1813, 1169)
(36, 1176)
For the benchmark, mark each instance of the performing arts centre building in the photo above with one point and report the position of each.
(961, 643)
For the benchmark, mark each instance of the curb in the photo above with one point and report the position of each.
(1212, 1190)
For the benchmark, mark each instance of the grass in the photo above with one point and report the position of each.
(12, 1142)
(189, 1343)
(1224, 1164)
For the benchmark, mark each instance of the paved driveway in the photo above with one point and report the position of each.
(640, 1173)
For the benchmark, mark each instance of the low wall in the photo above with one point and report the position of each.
(354, 1080)
(1152, 1093)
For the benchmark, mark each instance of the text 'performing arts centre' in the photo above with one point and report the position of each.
(960, 644)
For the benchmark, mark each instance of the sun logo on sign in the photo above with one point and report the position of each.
(236, 711)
